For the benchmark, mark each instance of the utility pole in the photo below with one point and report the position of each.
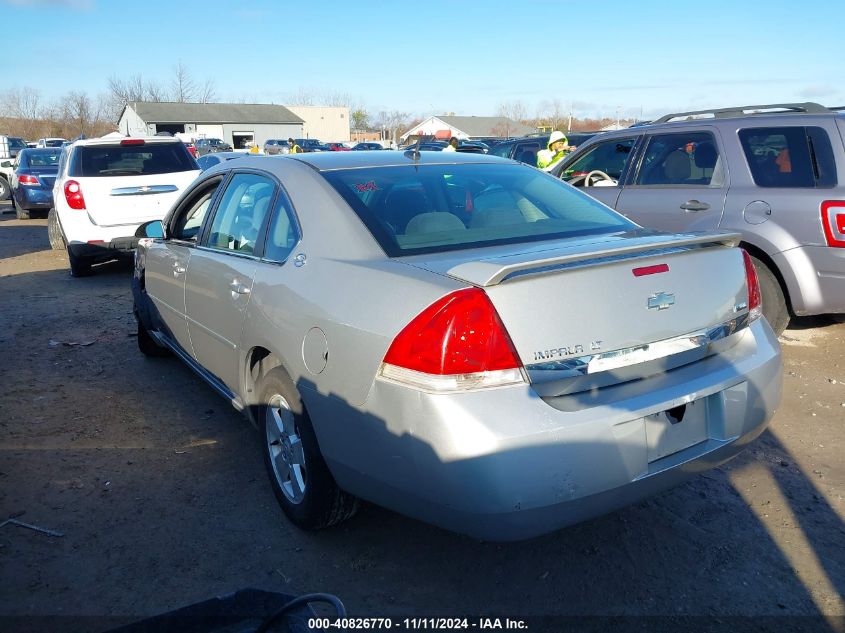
(569, 123)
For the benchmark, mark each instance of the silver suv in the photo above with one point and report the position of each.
(774, 173)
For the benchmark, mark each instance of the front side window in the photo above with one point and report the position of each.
(610, 157)
(189, 219)
(681, 159)
(240, 215)
(796, 157)
(437, 208)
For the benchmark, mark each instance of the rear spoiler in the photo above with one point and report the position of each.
(493, 271)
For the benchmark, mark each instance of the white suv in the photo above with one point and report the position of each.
(106, 188)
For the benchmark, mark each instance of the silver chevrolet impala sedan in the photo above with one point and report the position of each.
(458, 337)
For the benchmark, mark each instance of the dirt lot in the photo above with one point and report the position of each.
(159, 489)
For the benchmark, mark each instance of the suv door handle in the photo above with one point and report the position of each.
(178, 269)
(695, 205)
(239, 288)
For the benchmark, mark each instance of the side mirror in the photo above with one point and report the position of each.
(6, 163)
(153, 229)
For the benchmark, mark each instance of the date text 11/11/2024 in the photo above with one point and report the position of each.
(417, 624)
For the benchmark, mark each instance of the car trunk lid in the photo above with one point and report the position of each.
(587, 314)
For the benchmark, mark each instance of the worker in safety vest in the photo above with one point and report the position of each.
(294, 148)
(559, 147)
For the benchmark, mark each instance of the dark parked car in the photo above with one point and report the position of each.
(311, 145)
(32, 183)
(210, 160)
(367, 146)
(210, 145)
(525, 149)
(276, 146)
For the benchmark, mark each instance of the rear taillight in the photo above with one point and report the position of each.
(833, 222)
(27, 179)
(456, 343)
(73, 195)
(755, 300)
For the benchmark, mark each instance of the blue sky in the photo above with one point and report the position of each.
(461, 56)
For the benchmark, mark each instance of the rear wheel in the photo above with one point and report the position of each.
(79, 266)
(54, 231)
(774, 301)
(5, 190)
(301, 481)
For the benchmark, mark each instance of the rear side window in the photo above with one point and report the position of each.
(794, 157)
(130, 160)
(681, 159)
(437, 208)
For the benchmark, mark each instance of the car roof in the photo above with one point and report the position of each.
(327, 161)
(115, 141)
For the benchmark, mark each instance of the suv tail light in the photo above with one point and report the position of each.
(755, 299)
(133, 141)
(73, 195)
(27, 179)
(455, 344)
(833, 222)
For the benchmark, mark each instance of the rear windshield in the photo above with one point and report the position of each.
(43, 157)
(131, 160)
(16, 143)
(436, 208)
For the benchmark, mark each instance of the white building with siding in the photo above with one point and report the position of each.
(241, 125)
(467, 127)
(326, 123)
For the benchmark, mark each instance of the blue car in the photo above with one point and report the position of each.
(32, 183)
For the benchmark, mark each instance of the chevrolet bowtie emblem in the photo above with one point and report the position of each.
(661, 301)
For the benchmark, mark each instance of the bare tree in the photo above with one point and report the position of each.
(24, 104)
(513, 110)
(303, 96)
(182, 85)
(208, 92)
(552, 114)
(76, 113)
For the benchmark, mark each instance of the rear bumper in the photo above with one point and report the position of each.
(106, 250)
(34, 199)
(815, 278)
(505, 464)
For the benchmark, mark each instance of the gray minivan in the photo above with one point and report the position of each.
(774, 173)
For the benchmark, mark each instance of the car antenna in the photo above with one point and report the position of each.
(414, 150)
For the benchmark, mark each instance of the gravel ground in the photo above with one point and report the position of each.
(159, 490)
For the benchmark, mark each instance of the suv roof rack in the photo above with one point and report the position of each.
(808, 107)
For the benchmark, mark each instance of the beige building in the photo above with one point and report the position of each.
(328, 124)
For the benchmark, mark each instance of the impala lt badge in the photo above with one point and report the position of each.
(661, 301)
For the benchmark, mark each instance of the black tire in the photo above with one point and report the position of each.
(321, 504)
(774, 302)
(54, 232)
(79, 266)
(5, 189)
(20, 214)
(148, 345)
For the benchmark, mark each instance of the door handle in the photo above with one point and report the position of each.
(178, 269)
(695, 205)
(239, 288)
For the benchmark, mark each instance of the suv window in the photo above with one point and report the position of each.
(789, 156)
(611, 157)
(439, 208)
(681, 158)
(527, 152)
(241, 213)
(130, 160)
